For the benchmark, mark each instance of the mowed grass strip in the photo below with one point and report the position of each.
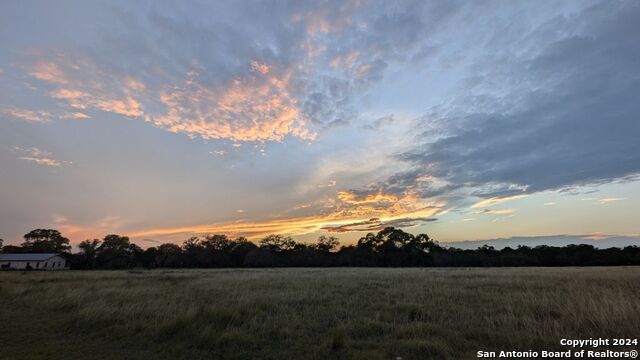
(343, 313)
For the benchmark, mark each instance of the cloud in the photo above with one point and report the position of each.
(257, 107)
(495, 212)
(557, 113)
(550, 203)
(254, 108)
(331, 183)
(380, 122)
(83, 85)
(26, 115)
(364, 211)
(495, 201)
(602, 201)
(77, 115)
(40, 157)
(502, 218)
(49, 72)
(264, 72)
(93, 230)
(376, 203)
(377, 224)
(259, 67)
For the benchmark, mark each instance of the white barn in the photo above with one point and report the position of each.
(30, 261)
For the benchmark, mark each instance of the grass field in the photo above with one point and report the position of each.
(346, 313)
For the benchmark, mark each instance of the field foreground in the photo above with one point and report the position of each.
(344, 313)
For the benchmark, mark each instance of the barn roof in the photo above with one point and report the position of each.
(26, 257)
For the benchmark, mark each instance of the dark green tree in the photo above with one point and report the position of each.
(88, 253)
(217, 242)
(278, 243)
(117, 252)
(45, 241)
(169, 255)
(327, 243)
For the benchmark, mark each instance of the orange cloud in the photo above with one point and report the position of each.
(604, 201)
(348, 60)
(50, 72)
(82, 85)
(39, 157)
(26, 115)
(250, 109)
(352, 198)
(94, 230)
(259, 67)
(75, 115)
(257, 107)
(341, 215)
(321, 21)
(127, 107)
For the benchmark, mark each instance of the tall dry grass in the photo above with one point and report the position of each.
(351, 313)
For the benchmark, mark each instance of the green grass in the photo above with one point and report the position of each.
(350, 313)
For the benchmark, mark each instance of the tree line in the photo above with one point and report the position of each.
(390, 247)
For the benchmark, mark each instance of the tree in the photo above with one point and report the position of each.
(370, 242)
(423, 243)
(45, 241)
(278, 243)
(169, 255)
(327, 243)
(89, 247)
(217, 242)
(117, 252)
(88, 253)
(1, 242)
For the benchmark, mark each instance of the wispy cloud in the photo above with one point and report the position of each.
(376, 224)
(502, 218)
(91, 230)
(25, 114)
(495, 201)
(329, 184)
(496, 212)
(602, 201)
(77, 115)
(39, 157)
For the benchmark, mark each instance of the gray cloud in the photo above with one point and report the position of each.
(376, 224)
(380, 122)
(572, 120)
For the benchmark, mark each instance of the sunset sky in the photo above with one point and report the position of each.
(465, 120)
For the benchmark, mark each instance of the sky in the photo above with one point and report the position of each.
(465, 120)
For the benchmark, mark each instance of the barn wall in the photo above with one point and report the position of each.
(52, 264)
